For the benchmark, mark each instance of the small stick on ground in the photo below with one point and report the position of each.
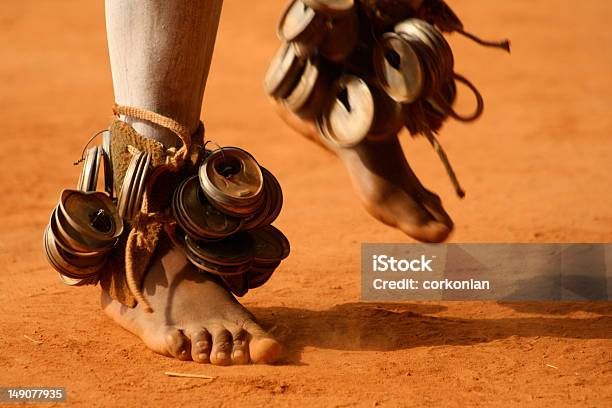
(32, 340)
(188, 375)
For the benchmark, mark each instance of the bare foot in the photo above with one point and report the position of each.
(386, 185)
(195, 317)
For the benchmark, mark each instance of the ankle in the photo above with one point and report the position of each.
(152, 131)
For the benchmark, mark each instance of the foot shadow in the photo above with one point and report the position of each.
(560, 308)
(389, 326)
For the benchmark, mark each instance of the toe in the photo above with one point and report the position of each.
(433, 204)
(200, 346)
(179, 346)
(263, 348)
(240, 347)
(430, 231)
(222, 347)
(413, 218)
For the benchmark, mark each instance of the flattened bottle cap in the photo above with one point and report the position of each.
(308, 95)
(300, 23)
(197, 216)
(275, 196)
(91, 214)
(219, 270)
(75, 247)
(273, 203)
(139, 184)
(232, 180)
(127, 185)
(349, 117)
(76, 240)
(398, 68)
(62, 263)
(271, 246)
(108, 164)
(283, 72)
(237, 250)
(89, 174)
(76, 282)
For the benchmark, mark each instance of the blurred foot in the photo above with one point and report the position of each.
(195, 317)
(386, 185)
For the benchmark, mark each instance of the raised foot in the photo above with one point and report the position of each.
(386, 185)
(195, 317)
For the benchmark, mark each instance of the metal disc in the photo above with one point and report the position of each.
(74, 282)
(64, 242)
(197, 215)
(398, 68)
(307, 96)
(283, 72)
(271, 245)
(276, 198)
(135, 181)
(126, 186)
(272, 206)
(232, 180)
(92, 214)
(89, 171)
(350, 115)
(300, 23)
(76, 240)
(108, 164)
(93, 186)
(139, 183)
(262, 213)
(236, 250)
(214, 268)
(61, 264)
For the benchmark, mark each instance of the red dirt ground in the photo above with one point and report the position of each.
(537, 168)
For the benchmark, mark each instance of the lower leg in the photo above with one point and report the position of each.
(160, 57)
(160, 54)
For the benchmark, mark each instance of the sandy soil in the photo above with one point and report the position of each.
(537, 168)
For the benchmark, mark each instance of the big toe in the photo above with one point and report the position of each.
(263, 348)
(424, 220)
(429, 231)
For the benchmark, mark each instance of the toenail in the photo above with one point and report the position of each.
(238, 354)
(202, 356)
(221, 356)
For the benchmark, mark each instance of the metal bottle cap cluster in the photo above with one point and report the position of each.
(364, 69)
(224, 214)
(84, 226)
